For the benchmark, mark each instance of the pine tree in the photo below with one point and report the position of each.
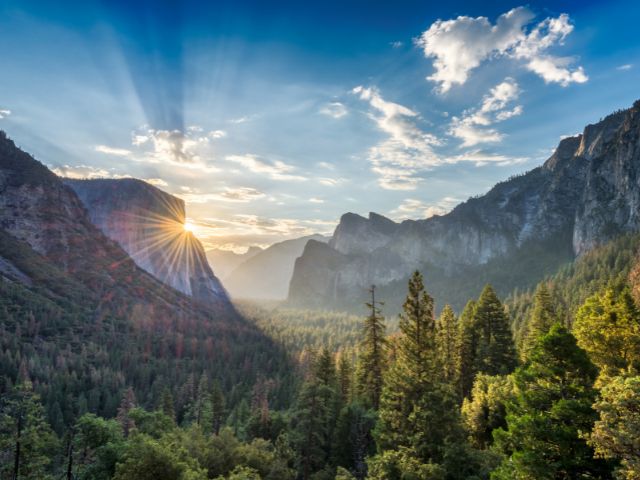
(446, 343)
(345, 375)
(496, 353)
(417, 410)
(607, 326)
(543, 317)
(466, 350)
(218, 409)
(309, 427)
(166, 404)
(126, 405)
(372, 358)
(26, 440)
(551, 413)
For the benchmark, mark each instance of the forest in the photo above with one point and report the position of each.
(543, 386)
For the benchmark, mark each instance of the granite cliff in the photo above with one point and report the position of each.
(586, 193)
(149, 225)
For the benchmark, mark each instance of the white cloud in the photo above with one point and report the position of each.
(85, 172)
(236, 195)
(119, 152)
(4, 113)
(215, 134)
(458, 46)
(158, 182)
(481, 158)
(331, 182)
(173, 147)
(473, 127)
(334, 109)
(316, 200)
(396, 44)
(413, 208)
(408, 149)
(626, 66)
(276, 170)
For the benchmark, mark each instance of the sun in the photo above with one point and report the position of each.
(188, 227)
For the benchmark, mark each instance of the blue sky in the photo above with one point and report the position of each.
(271, 119)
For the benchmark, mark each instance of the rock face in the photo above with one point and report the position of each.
(149, 225)
(45, 228)
(266, 274)
(585, 194)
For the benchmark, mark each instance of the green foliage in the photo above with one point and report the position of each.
(616, 433)
(543, 317)
(495, 353)
(447, 343)
(372, 356)
(485, 410)
(607, 326)
(146, 458)
(417, 410)
(551, 414)
(403, 464)
(26, 439)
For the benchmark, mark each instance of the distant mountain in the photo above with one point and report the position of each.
(266, 274)
(149, 225)
(585, 194)
(224, 262)
(85, 322)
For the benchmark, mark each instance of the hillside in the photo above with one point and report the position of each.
(85, 322)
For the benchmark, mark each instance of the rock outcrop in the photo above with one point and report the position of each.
(585, 194)
(149, 225)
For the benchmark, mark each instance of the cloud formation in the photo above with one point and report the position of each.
(4, 113)
(85, 172)
(460, 45)
(473, 127)
(334, 109)
(413, 208)
(276, 169)
(407, 149)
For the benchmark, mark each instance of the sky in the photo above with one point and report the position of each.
(272, 119)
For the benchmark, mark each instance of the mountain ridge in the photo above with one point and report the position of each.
(564, 199)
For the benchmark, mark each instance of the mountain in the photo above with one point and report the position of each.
(149, 225)
(224, 262)
(84, 322)
(585, 194)
(266, 274)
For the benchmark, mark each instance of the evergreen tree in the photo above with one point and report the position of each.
(372, 358)
(126, 405)
(218, 409)
(26, 440)
(345, 375)
(417, 410)
(607, 326)
(543, 317)
(309, 427)
(353, 441)
(166, 404)
(446, 343)
(551, 413)
(466, 350)
(496, 353)
(616, 434)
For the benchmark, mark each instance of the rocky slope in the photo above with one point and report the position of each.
(266, 275)
(148, 224)
(224, 262)
(586, 193)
